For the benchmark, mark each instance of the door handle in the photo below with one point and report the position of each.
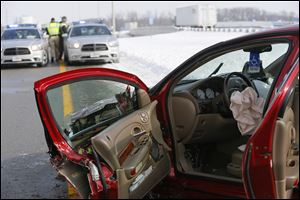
(139, 133)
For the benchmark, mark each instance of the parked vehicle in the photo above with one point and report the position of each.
(27, 20)
(90, 42)
(116, 138)
(23, 44)
(197, 16)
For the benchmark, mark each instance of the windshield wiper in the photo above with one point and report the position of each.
(216, 70)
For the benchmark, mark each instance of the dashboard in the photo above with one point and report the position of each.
(201, 110)
(207, 93)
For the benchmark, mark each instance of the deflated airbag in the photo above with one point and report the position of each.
(247, 109)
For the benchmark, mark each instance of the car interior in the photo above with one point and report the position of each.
(207, 139)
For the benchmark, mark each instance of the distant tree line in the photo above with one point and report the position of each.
(250, 14)
(223, 15)
(162, 19)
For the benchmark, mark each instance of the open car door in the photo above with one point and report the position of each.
(110, 113)
(271, 158)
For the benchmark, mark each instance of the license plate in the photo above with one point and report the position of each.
(16, 59)
(94, 55)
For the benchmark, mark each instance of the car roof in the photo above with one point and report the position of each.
(286, 30)
(88, 24)
(20, 28)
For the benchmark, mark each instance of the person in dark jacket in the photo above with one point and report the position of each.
(63, 28)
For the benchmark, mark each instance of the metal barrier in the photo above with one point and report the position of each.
(224, 29)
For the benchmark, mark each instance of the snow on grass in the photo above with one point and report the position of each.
(170, 50)
(160, 54)
(151, 58)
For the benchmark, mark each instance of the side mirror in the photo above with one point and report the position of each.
(64, 35)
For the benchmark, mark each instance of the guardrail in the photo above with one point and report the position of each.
(144, 31)
(246, 30)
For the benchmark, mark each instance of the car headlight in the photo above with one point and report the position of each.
(36, 47)
(113, 43)
(75, 45)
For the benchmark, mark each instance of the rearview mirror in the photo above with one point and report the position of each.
(258, 49)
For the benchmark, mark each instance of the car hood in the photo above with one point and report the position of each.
(19, 43)
(92, 39)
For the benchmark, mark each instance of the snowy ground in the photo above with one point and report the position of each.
(152, 57)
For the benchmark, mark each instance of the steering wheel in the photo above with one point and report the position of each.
(228, 91)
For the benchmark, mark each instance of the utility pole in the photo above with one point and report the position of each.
(98, 10)
(6, 17)
(113, 17)
(78, 7)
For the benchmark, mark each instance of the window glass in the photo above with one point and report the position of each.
(260, 63)
(235, 61)
(85, 107)
(89, 31)
(15, 34)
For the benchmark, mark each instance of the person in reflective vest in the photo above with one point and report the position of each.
(63, 29)
(53, 32)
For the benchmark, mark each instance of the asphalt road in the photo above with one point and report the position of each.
(25, 169)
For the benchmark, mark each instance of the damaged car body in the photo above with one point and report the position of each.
(219, 125)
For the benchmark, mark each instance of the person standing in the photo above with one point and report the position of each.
(63, 29)
(53, 32)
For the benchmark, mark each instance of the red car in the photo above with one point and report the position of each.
(224, 124)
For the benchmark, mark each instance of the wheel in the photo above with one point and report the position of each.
(66, 59)
(246, 82)
(45, 60)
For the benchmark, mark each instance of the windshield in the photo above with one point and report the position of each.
(235, 61)
(89, 31)
(16, 34)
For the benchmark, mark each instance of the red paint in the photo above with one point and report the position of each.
(178, 184)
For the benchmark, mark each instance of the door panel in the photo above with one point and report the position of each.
(285, 155)
(133, 149)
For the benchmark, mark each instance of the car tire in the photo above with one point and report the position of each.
(69, 63)
(45, 60)
(66, 59)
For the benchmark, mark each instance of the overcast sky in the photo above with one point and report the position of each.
(44, 10)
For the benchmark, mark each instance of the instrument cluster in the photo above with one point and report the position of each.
(207, 93)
